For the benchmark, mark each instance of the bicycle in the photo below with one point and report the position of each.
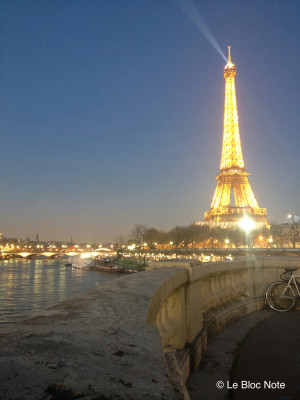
(284, 295)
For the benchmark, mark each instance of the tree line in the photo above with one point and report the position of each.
(279, 235)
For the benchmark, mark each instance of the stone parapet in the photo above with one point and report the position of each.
(213, 295)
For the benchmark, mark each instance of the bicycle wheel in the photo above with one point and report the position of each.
(280, 296)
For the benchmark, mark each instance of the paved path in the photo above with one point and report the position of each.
(261, 350)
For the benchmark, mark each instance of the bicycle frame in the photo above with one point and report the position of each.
(295, 283)
(284, 295)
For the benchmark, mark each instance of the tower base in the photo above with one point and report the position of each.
(230, 216)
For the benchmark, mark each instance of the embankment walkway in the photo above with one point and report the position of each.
(252, 357)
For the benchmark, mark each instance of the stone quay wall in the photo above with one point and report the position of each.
(136, 337)
(191, 306)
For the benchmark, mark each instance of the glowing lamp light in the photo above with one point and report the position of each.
(247, 224)
(48, 254)
(25, 254)
(85, 255)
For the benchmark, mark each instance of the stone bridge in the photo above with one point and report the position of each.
(136, 337)
(33, 254)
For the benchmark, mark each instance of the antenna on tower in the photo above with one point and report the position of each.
(229, 56)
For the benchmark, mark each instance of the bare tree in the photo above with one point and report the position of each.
(280, 233)
(138, 233)
(154, 236)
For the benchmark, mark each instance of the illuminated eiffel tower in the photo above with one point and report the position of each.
(233, 177)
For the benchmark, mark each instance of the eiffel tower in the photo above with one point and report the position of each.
(233, 178)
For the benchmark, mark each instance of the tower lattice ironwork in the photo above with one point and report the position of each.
(233, 177)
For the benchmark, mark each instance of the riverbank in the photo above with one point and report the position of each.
(95, 345)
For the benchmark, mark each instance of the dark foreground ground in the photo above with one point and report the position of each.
(256, 357)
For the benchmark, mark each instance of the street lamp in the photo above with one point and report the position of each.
(247, 224)
(293, 225)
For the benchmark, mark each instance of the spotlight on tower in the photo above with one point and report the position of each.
(191, 11)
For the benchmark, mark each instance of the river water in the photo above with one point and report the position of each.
(29, 286)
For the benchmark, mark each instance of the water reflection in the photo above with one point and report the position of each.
(29, 286)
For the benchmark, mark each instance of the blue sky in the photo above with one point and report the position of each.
(112, 112)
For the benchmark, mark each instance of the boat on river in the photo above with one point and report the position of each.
(80, 262)
(97, 264)
(111, 268)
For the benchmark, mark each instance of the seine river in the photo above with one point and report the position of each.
(29, 286)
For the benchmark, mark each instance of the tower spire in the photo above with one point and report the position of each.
(229, 56)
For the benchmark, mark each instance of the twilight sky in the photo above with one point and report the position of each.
(112, 112)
